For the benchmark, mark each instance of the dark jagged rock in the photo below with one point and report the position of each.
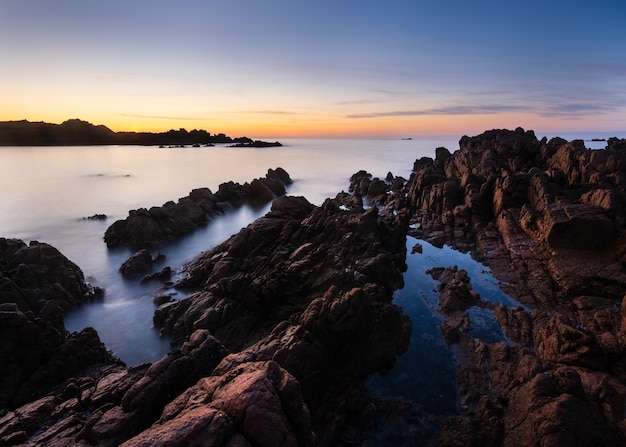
(145, 228)
(261, 405)
(138, 264)
(288, 316)
(96, 217)
(257, 143)
(387, 193)
(164, 275)
(108, 404)
(37, 283)
(34, 275)
(547, 217)
(301, 297)
(309, 287)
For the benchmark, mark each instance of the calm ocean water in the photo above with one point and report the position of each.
(47, 191)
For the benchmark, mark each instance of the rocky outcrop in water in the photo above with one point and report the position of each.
(37, 283)
(289, 316)
(286, 318)
(308, 287)
(145, 228)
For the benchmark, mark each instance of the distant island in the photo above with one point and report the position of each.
(76, 132)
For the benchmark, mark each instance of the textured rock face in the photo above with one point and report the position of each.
(107, 404)
(36, 284)
(302, 299)
(571, 197)
(547, 217)
(260, 405)
(312, 284)
(145, 228)
(288, 316)
(35, 274)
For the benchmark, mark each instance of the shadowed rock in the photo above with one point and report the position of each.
(547, 217)
(145, 228)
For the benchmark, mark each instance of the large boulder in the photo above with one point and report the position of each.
(37, 283)
(260, 405)
(139, 263)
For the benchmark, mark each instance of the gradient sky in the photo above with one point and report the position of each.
(285, 68)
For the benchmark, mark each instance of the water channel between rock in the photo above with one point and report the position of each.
(426, 373)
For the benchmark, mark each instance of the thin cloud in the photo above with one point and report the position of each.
(578, 109)
(388, 95)
(270, 112)
(452, 110)
(573, 109)
(158, 117)
(359, 102)
(607, 69)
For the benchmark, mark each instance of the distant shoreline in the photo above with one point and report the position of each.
(77, 132)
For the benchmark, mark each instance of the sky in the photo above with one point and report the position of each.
(324, 68)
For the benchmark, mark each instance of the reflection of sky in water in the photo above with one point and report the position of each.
(485, 326)
(49, 190)
(426, 372)
(127, 309)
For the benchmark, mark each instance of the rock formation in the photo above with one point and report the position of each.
(289, 316)
(308, 287)
(548, 218)
(286, 318)
(145, 228)
(37, 283)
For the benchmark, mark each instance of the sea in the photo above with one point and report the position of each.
(48, 193)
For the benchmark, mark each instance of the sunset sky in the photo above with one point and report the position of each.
(285, 68)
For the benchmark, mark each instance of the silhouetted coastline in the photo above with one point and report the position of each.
(76, 132)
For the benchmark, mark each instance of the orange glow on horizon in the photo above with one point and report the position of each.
(259, 126)
(350, 128)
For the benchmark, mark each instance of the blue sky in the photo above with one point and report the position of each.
(324, 68)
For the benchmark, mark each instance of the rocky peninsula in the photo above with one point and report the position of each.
(76, 132)
(285, 320)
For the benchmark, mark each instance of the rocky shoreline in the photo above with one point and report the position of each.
(286, 318)
(76, 132)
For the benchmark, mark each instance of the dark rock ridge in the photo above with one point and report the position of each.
(310, 288)
(145, 228)
(548, 218)
(76, 132)
(140, 263)
(289, 316)
(37, 283)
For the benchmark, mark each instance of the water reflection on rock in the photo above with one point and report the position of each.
(426, 373)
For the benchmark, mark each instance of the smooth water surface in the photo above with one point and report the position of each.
(48, 190)
(426, 373)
